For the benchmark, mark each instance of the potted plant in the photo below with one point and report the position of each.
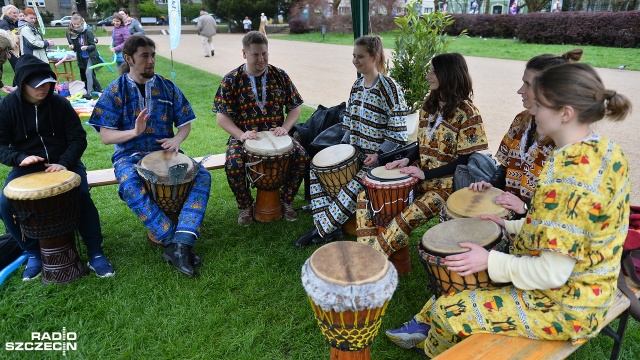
(420, 38)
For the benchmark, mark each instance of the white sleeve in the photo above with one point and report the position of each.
(547, 271)
(513, 227)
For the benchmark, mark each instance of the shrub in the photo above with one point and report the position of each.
(299, 26)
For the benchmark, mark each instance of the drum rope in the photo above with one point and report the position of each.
(407, 201)
(248, 167)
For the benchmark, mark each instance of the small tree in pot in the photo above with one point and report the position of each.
(421, 37)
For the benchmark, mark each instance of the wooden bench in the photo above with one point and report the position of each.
(107, 176)
(494, 347)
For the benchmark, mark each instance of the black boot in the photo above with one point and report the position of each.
(332, 236)
(307, 238)
(197, 261)
(180, 256)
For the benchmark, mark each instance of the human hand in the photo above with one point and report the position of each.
(413, 171)
(371, 160)
(397, 164)
(8, 88)
(141, 122)
(480, 185)
(495, 219)
(54, 167)
(279, 131)
(84, 47)
(71, 47)
(249, 135)
(468, 263)
(51, 42)
(112, 49)
(510, 202)
(32, 159)
(170, 144)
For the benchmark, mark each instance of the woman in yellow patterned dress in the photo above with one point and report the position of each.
(451, 129)
(565, 260)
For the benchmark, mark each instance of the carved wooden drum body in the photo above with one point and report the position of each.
(46, 205)
(442, 240)
(267, 167)
(349, 285)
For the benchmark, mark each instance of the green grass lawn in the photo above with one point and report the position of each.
(598, 56)
(247, 301)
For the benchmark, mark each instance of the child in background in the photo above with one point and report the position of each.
(86, 53)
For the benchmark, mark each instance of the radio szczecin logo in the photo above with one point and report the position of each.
(46, 341)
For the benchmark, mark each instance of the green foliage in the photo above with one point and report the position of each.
(150, 9)
(421, 37)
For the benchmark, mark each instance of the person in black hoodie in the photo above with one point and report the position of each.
(40, 131)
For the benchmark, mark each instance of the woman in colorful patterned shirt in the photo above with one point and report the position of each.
(450, 131)
(523, 150)
(565, 261)
(376, 122)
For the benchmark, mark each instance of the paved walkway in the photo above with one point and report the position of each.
(323, 74)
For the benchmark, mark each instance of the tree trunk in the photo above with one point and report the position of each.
(133, 9)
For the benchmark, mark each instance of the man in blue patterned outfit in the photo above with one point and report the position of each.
(137, 114)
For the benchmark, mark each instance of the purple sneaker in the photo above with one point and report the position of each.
(409, 335)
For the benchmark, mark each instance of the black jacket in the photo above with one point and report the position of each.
(51, 129)
(8, 24)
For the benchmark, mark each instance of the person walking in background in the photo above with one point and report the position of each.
(376, 122)
(32, 40)
(246, 23)
(207, 30)
(263, 24)
(131, 23)
(86, 54)
(40, 131)
(564, 263)
(137, 114)
(255, 97)
(119, 35)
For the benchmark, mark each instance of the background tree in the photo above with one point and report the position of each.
(534, 5)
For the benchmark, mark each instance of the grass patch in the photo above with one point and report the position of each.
(597, 56)
(247, 301)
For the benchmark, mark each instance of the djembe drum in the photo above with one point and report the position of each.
(334, 167)
(168, 177)
(442, 240)
(388, 193)
(349, 285)
(46, 205)
(466, 203)
(268, 160)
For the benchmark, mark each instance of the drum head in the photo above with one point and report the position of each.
(333, 155)
(348, 263)
(159, 162)
(268, 144)
(469, 203)
(41, 185)
(445, 237)
(382, 175)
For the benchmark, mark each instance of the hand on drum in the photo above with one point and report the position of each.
(170, 144)
(397, 164)
(371, 160)
(279, 131)
(510, 202)
(29, 160)
(495, 219)
(54, 167)
(413, 171)
(249, 135)
(480, 185)
(468, 263)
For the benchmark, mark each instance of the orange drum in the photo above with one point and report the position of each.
(388, 193)
(466, 203)
(267, 166)
(335, 166)
(168, 178)
(47, 207)
(442, 240)
(349, 285)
